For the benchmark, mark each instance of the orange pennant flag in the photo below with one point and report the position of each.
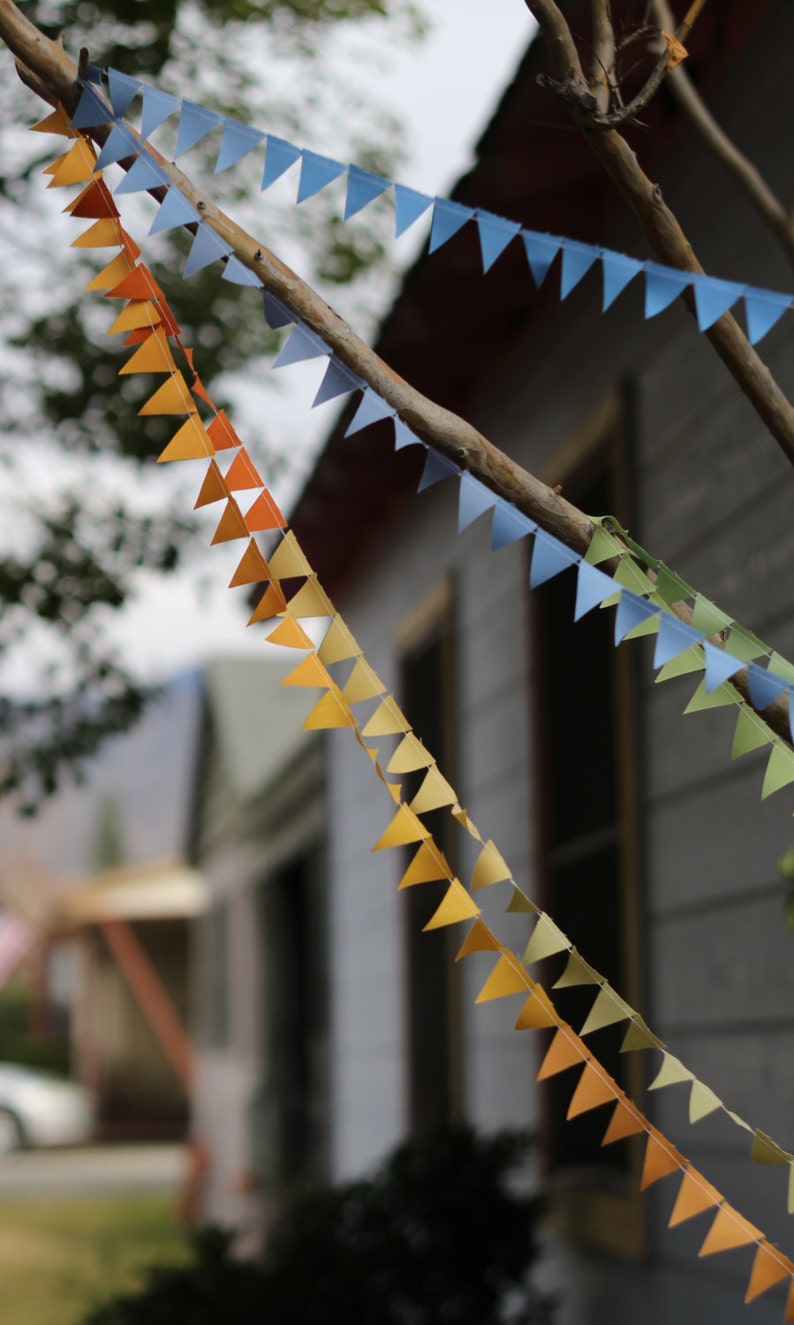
(478, 939)
(291, 635)
(428, 864)
(694, 1196)
(57, 122)
(537, 1013)
(592, 1090)
(153, 355)
(105, 233)
(564, 1051)
(198, 388)
(507, 977)
(114, 272)
(222, 433)
(456, 905)
(173, 397)
(270, 604)
(252, 569)
(137, 284)
(769, 1267)
(231, 524)
(661, 1158)
(729, 1230)
(242, 474)
(309, 672)
(190, 442)
(264, 514)
(404, 828)
(212, 489)
(94, 203)
(330, 712)
(789, 1314)
(625, 1121)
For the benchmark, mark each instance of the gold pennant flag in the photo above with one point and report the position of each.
(288, 561)
(56, 122)
(310, 600)
(428, 864)
(490, 868)
(190, 442)
(104, 233)
(270, 604)
(290, 634)
(507, 977)
(478, 939)
(363, 683)
(409, 756)
(547, 939)
(564, 1051)
(593, 1089)
(152, 356)
(135, 314)
(387, 720)
(767, 1151)
(74, 167)
(671, 1073)
(625, 1121)
(465, 822)
(231, 525)
(694, 1196)
(309, 672)
(404, 828)
(173, 397)
(434, 793)
(456, 905)
(338, 643)
(537, 1013)
(607, 1009)
(661, 1159)
(729, 1230)
(769, 1268)
(577, 972)
(110, 275)
(252, 569)
(329, 713)
(213, 488)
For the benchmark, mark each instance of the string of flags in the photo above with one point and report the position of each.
(713, 296)
(149, 328)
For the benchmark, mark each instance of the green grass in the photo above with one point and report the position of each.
(58, 1258)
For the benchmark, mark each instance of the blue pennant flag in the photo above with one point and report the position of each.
(316, 172)
(338, 380)
(157, 106)
(144, 173)
(207, 247)
(437, 467)
(764, 686)
(448, 219)
(509, 525)
(123, 90)
(592, 587)
(120, 142)
(92, 109)
(371, 409)
(495, 235)
(403, 436)
(277, 315)
(174, 210)
(363, 187)
(713, 298)
(236, 273)
(279, 156)
(577, 259)
(617, 271)
(763, 308)
(720, 666)
(300, 345)
(632, 611)
(549, 558)
(408, 207)
(195, 122)
(662, 286)
(94, 74)
(238, 140)
(474, 500)
(541, 252)
(674, 636)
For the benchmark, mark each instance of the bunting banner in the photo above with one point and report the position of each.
(314, 171)
(152, 335)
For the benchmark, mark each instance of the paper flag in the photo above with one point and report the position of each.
(779, 770)
(174, 210)
(404, 828)
(537, 1012)
(428, 864)
(279, 156)
(316, 172)
(231, 524)
(437, 467)
(122, 90)
(767, 1151)
(541, 252)
(338, 643)
(363, 683)
(549, 558)
(661, 1159)
(713, 298)
(702, 1102)
(607, 1009)
(105, 233)
(632, 611)
(237, 274)
(371, 409)
(242, 474)
(456, 905)
(143, 174)
(409, 206)
(751, 733)
(363, 187)
(474, 500)
(264, 514)
(577, 972)
(57, 122)
(409, 755)
(212, 489)
(763, 309)
(434, 793)
(74, 167)
(495, 235)
(338, 380)
(461, 817)
(639, 1036)
(594, 1089)
(310, 600)
(617, 272)
(563, 1052)
(769, 1268)
(694, 1196)
(157, 106)
(222, 433)
(288, 560)
(92, 110)
(508, 525)
(674, 636)
(173, 397)
(138, 313)
(592, 587)
(547, 939)
(207, 247)
(507, 977)
(625, 1121)
(720, 666)
(252, 569)
(309, 672)
(490, 868)
(719, 698)
(270, 604)
(291, 635)
(191, 442)
(121, 142)
(662, 286)
(329, 713)
(764, 686)
(478, 939)
(448, 218)
(671, 1072)
(110, 275)
(94, 202)
(729, 1230)
(691, 660)
(520, 904)
(386, 720)
(152, 356)
(195, 122)
(577, 259)
(300, 345)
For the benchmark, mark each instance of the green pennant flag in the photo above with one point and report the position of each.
(708, 618)
(719, 698)
(691, 660)
(751, 733)
(779, 770)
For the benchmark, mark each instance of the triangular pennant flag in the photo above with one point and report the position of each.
(779, 666)
(547, 939)
(577, 259)
(222, 433)
(495, 235)
(329, 713)
(520, 904)
(448, 218)
(92, 110)
(309, 672)
(237, 274)
(195, 122)
(744, 644)
(537, 1013)
(549, 558)
(661, 1159)
(409, 755)
(338, 380)
(137, 313)
(212, 489)
(593, 1089)
(541, 252)
(671, 1073)
(110, 275)
(105, 233)
(490, 868)
(729, 1230)
(674, 636)
(456, 905)
(577, 972)
(691, 660)
(152, 356)
(428, 864)
(300, 345)
(719, 698)
(316, 172)
(175, 210)
(694, 1196)
(631, 576)
(123, 90)
(363, 187)
(763, 309)
(157, 106)
(279, 156)
(474, 500)
(437, 467)
(290, 634)
(767, 1151)
(231, 524)
(607, 1009)
(57, 122)
(404, 828)
(362, 684)
(95, 202)
(310, 600)
(769, 1268)
(720, 666)
(143, 174)
(288, 560)
(371, 409)
(207, 247)
(764, 686)
(277, 315)
(121, 142)
(563, 1052)
(409, 205)
(779, 770)
(592, 587)
(708, 618)
(270, 604)
(434, 793)
(242, 473)
(75, 166)
(625, 1121)
(702, 1102)
(173, 397)
(602, 546)
(713, 298)
(751, 733)
(662, 286)
(387, 720)
(137, 284)
(632, 611)
(617, 271)
(478, 939)
(190, 442)
(252, 568)
(238, 140)
(508, 525)
(639, 1036)
(338, 643)
(506, 978)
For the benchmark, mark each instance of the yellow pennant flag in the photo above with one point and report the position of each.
(428, 864)
(639, 1036)
(607, 1009)
(310, 600)
(671, 1073)
(434, 793)
(547, 939)
(288, 561)
(456, 905)
(387, 720)
(135, 314)
(309, 672)
(190, 442)
(537, 1013)
(409, 756)
(338, 643)
(490, 868)
(152, 356)
(625, 1121)
(478, 939)
(702, 1102)
(507, 977)
(330, 712)
(403, 829)
(104, 233)
(593, 1089)
(362, 683)
(577, 972)
(56, 122)
(767, 1151)
(290, 634)
(173, 397)
(465, 822)
(75, 167)
(110, 275)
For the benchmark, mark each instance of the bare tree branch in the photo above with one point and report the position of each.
(602, 76)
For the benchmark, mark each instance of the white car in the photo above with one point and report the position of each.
(40, 1109)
